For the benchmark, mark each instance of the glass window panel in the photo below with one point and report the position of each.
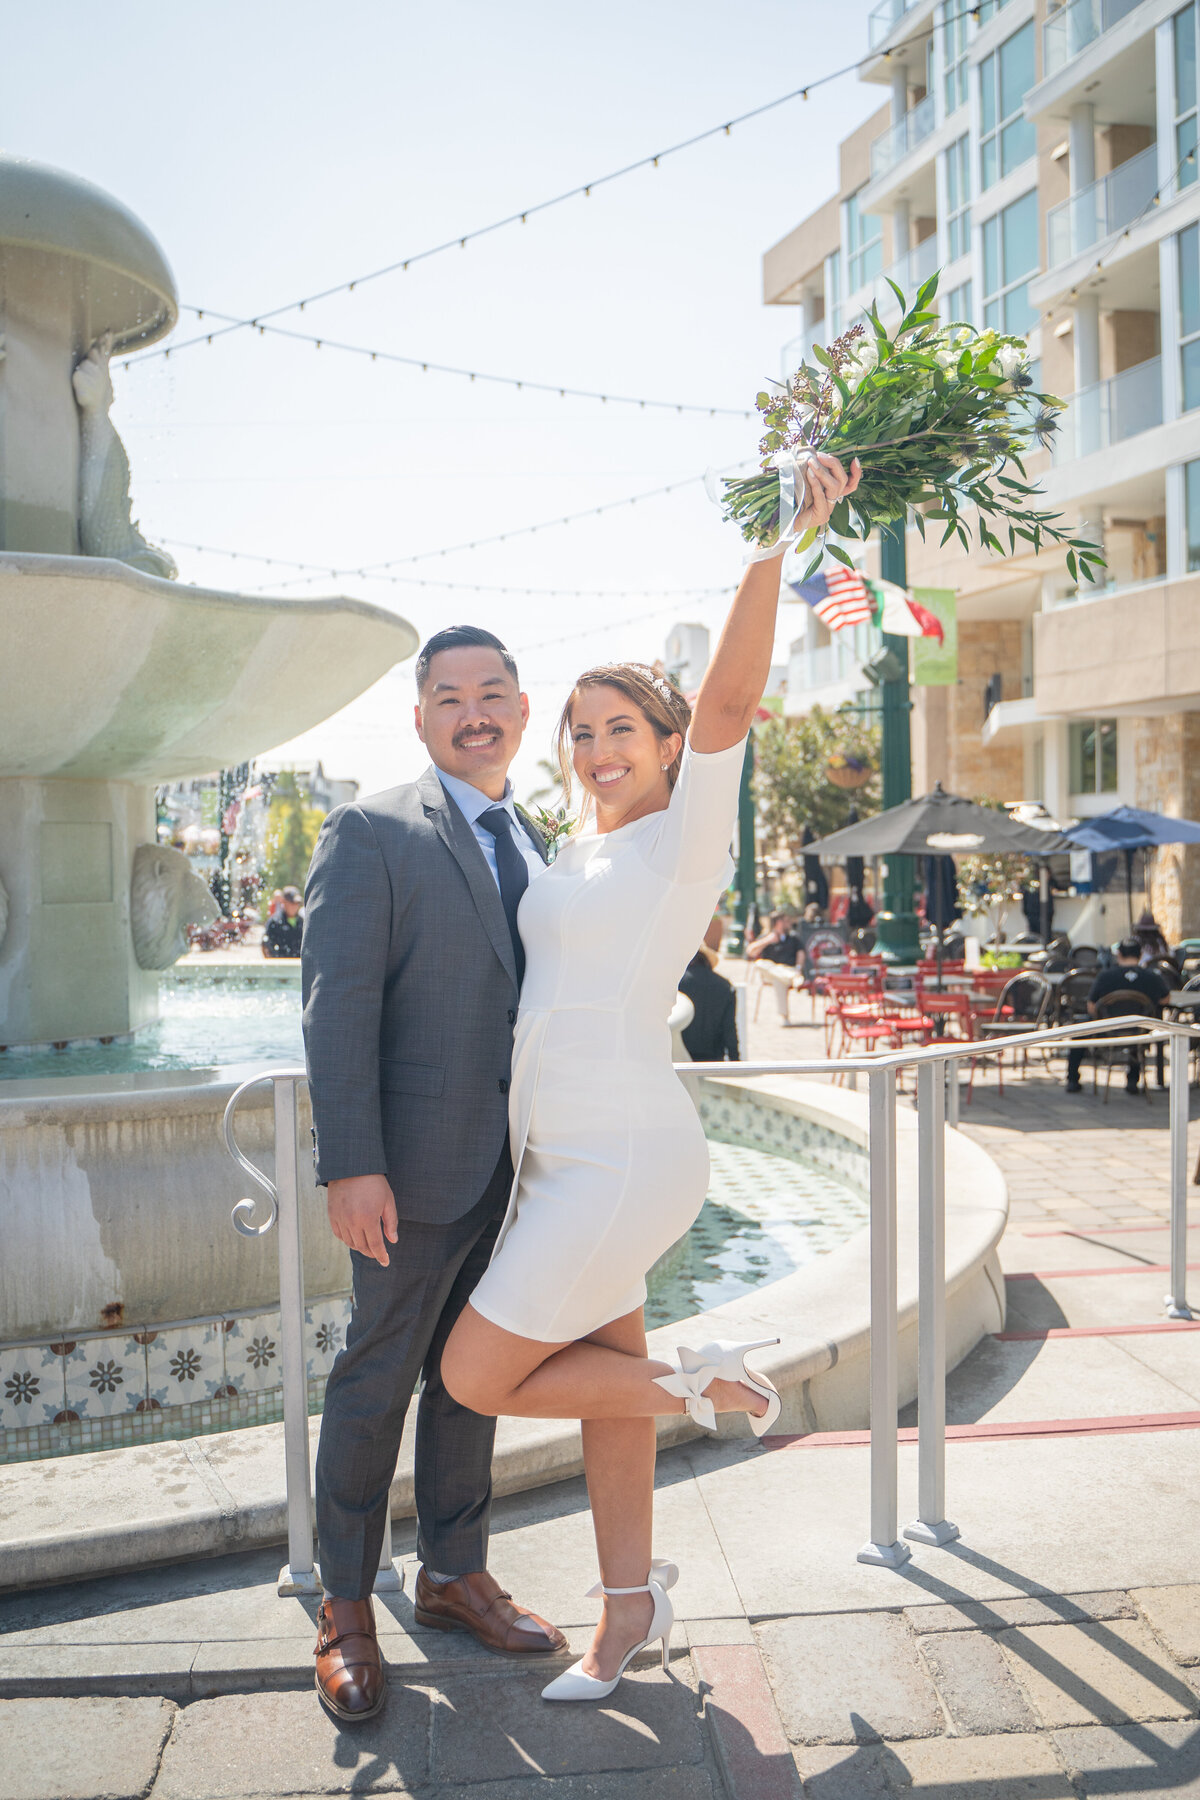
(1020, 237)
(1185, 145)
(1018, 142)
(987, 93)
(1191, 375)
(1185, 60)
(991, 255)
(1189, 280)
(1082, 743)
(1106, 730)
(989, 162)
(991, 315)
(1019, 316)
(1192, 474)
(1016, 70)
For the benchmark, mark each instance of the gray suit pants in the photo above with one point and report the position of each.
(402, 1317)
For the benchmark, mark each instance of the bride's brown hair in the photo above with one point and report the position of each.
(656, 698)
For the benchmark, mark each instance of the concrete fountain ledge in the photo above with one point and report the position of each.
(115, 1510)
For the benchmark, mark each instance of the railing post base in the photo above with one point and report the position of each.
(388, 1581)
(919, 1532)
(298, 1581)
(1177, 1309)
(885, 1556)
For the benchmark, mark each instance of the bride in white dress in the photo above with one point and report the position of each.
(611, 1163)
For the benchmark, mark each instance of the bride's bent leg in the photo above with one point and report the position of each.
(496, 1372)
(618, 1458)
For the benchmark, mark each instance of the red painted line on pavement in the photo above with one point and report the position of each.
(1070, 1331)
(750, 1742)
(1121, 1269)
(1030, 1428)
(1103, 1231)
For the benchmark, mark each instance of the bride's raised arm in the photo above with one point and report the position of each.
(734, 682)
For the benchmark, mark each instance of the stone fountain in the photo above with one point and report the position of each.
(113, 675)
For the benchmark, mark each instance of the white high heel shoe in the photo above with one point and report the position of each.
(573, 1684)
(720, 1361)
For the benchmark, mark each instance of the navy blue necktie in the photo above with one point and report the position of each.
(514, 875)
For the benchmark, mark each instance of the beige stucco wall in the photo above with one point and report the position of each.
(1166, 763)
(800, 254)
(1120, 653)
(947, 722)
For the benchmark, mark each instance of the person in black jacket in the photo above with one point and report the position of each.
(1127, 975)
(712, 1034)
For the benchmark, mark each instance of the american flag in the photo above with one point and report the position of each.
(840, 597)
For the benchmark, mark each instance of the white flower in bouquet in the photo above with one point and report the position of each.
(939, 417)
(1012, 360)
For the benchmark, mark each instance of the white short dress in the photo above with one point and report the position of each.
(611, 1162)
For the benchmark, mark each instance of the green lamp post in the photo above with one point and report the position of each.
(896, 937)
(746, 862)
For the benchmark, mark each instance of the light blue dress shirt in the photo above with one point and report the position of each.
(470, 802)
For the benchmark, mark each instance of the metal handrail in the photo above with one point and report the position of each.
(884, 1547)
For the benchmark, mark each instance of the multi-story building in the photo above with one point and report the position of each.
(1045, 161)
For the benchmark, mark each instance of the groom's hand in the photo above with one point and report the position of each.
(362, 1213)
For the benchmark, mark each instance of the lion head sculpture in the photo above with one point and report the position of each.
(166, 896)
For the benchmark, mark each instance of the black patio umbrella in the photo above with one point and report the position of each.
(938, 824)
(858, 912)
(816, 887)
(941, 901)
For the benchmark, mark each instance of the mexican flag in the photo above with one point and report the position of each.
(842, 597)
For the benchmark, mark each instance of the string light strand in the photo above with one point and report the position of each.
(584, 190)
(538, 387)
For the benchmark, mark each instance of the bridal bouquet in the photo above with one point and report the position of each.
(939, 416)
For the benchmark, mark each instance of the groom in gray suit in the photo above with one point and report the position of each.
(412, 967)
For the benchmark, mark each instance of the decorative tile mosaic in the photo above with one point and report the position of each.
(252, 1349)
(325, 1323)
(104, 1376)
(72, 1393)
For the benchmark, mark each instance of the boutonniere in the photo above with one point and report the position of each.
(555, 828)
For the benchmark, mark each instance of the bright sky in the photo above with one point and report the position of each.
(277, 149)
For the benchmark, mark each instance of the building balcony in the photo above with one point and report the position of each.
(1108, 205)
(883, 19)
(1111, 411)
(1069, 31)
(908, 272)
(1101, 52)
(916, 125)
(1129, 652)
(1125, 273)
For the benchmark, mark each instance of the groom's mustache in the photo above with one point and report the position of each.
(466, 733)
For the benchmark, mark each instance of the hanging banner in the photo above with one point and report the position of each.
(934, 664)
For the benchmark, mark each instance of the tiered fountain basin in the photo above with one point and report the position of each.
(208, 1474)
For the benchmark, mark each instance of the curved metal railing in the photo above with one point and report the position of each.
(933, 1064)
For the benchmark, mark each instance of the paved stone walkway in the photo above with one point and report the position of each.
(1053, 1651)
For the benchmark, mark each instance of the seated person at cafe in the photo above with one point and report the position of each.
(1125, 973)
(712, 1034)
(779, 952)
(285, 928)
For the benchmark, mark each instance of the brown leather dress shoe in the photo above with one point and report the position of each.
(478, 1604)
(350, 1674)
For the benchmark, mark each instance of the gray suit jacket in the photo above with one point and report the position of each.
(410, 996)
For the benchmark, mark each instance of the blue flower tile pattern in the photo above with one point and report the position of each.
(184, 1364)
(80, 1391)
(104, 1375)
(253, 1352)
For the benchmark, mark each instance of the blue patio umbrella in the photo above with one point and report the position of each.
(1131, 828)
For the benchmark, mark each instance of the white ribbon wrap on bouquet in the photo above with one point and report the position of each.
(793, 499)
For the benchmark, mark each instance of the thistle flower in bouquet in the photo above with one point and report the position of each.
(940, 417)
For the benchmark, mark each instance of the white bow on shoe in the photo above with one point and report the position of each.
(721, 1361)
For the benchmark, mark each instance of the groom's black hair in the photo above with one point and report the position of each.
(457, 637)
